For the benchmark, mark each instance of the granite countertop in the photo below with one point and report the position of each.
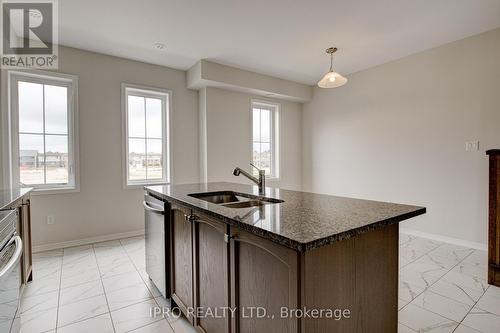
(8, 196)
(304, 221)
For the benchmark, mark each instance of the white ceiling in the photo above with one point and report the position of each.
(282, 38)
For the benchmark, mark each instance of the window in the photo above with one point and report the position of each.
(265, 138)
(146, 132)
(43, 118)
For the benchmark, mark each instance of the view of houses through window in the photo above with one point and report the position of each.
(43, 133)
(146, 134)
(263, 138)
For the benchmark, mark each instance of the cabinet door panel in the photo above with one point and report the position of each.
(264, 275)
(494, 220)
(26, 237)
(182, 259)
(211, 274)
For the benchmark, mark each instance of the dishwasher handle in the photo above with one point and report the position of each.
(15, 257)
(147, 207)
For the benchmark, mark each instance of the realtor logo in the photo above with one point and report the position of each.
(29, 34)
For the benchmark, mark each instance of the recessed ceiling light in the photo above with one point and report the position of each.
(159, 46)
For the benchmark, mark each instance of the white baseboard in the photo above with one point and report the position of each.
(85, 241)
(439, 238)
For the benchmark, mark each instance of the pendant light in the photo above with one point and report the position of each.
(332, 79)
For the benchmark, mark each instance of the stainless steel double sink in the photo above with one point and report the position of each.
(232, 199)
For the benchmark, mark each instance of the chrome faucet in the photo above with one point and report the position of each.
(261, 181)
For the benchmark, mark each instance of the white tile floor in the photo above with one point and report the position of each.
(443, 288)
(103, 288)
(96, 288)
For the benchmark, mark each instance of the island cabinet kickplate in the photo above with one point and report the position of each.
(494, 218)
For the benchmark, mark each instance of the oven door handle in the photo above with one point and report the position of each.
(15, 257)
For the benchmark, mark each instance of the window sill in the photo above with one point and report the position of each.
(55, 190)
(141, 185)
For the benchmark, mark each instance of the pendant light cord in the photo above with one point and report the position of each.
(331, 62)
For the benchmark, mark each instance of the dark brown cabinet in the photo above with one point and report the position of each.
(494, 218)
(182, 259)
(264, 275)
(211, 274)
(216, 266)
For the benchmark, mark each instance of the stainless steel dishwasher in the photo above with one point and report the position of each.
(157, 243)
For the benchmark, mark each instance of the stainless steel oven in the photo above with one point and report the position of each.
(11, 249)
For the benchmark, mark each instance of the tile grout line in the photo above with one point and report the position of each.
(144, 283)
(80, 320)
(21, 313)
(152, 323)
(411, 329)
(104, 290)
(425, 253)
(45, 293)
(59, 291)
(427, 288)
(464, 274)
(42, 279)
(136, 268)
(138, 272)
(151, 293)
(468, 312)
(459, 323)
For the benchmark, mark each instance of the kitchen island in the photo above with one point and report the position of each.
(264, 257)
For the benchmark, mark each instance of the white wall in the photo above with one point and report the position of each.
(102, 206)
(397, 132)
(228, 135)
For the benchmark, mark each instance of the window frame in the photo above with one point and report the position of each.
(166, 96)
(46, 78)
(275, 135)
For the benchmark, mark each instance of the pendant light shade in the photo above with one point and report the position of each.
(332, 79)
